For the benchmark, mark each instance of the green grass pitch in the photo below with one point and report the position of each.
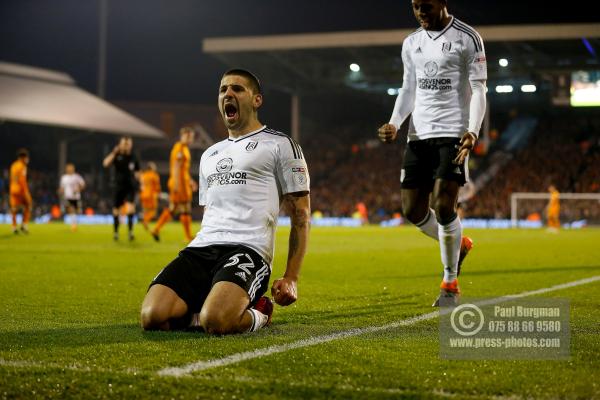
(70, 306)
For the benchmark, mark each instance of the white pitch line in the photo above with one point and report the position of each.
(267, 351)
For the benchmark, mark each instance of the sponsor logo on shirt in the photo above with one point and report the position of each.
(224, 165)
(225, 176)
(431, 68)
(439, 84)
(214, 153)
(480, 59)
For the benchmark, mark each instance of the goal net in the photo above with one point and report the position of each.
(575, 208)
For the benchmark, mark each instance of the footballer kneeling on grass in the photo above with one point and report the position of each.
(218, 281)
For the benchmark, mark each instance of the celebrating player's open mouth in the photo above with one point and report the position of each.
(231, 112)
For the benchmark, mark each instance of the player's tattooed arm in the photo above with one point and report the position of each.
(297, 206)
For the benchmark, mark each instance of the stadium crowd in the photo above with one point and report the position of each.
(561, 153)
(353, 167)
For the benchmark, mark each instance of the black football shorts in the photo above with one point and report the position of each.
(123, 194)
(196, 269)
(430, 159)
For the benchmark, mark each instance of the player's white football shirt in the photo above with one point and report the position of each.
(439, 66)
(71, 185)
(241, 184)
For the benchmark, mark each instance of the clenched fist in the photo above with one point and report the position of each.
(387, 133)
(284, 291)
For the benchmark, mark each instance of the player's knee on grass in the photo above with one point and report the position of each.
(224, 309)
(161, 306)
(154, 318)
(217, 321)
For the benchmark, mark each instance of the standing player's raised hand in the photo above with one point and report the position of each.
(387, 133)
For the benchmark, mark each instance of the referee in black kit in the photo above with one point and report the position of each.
(125, 182)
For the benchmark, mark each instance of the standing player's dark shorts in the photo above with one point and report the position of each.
(430, 159)
(196, 269)
(123, 194)
(74, 204)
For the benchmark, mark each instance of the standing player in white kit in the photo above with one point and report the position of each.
(444, 89)
(216, 283)
(71, 186)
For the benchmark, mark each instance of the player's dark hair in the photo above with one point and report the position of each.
(22, 153)
(186, 128)
(253, 79)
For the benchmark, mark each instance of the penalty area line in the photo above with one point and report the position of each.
(267, 351)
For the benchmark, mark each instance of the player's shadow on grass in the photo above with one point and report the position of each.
(10, 236)
(356, 308)
(508, 272)
(84, 336)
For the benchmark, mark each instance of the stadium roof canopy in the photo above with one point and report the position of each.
(316, 62)
(44, 97)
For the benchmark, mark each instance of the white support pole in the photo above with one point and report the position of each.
(513, 210)
(62, 156)
(296, 117)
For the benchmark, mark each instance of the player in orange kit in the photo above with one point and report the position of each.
(20, 198)
(553, 209)
(180, 186)
(149, 191)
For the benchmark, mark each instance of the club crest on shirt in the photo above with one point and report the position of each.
(446, 47)
(251, 146)
(431, 68)
(224, 165)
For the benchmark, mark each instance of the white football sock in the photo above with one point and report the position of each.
(450, 237)
(429, 225)
(258, 320)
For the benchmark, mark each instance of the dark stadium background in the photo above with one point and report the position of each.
(162, 40)
(154, 60)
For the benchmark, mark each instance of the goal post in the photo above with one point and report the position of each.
(515, 197)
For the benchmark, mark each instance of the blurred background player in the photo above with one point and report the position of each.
(149, 192)
(126, 167)
(444, 89)
(553, 210)
(20, 198)
(71, 186)
(218, 281)
(180, 186)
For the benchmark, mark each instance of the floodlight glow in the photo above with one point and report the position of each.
(503, 62)
(354, 67)
(528, 88)
(504, 89)
(392, 92)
